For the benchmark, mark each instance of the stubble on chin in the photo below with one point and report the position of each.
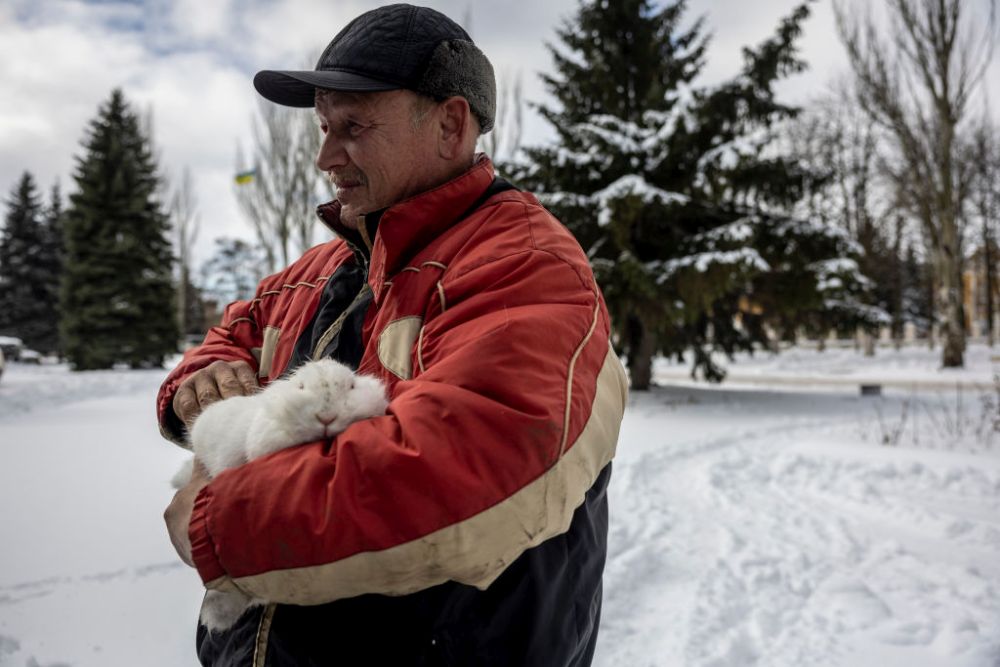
(349, 213)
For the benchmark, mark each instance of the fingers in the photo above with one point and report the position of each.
(177, 517)
(186, 403)
(227, 383)
(247, 377)
(205, 388)
(220, 380)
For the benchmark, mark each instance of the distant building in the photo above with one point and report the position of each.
(974, 293)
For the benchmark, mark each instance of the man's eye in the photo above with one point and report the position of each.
(355, 128)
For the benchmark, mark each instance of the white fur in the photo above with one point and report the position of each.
(319, 400)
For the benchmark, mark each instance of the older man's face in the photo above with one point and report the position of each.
(371, 150)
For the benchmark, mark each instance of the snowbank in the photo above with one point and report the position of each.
(749, 526)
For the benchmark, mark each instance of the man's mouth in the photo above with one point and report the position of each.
(345, 182)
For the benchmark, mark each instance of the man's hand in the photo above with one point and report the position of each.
(222, 379)
(178, 513)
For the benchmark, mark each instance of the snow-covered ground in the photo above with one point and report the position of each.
(751, 525)
(913, 366)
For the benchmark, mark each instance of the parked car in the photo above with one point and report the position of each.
(30, 357)
(11, 347)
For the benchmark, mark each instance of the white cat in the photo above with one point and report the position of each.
(319, 400)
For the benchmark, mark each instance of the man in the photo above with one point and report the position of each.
(468, 525)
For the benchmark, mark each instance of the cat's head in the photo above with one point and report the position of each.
(320, 399)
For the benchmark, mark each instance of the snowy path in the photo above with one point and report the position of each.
(88, 575)
(749, 528)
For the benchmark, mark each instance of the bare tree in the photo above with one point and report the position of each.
(840, 143)
(232, 271)
(505, 137)
(186, 224)
(985, 159)
(916, 84)
(280, 197)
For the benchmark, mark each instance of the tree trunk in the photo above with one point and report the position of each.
(991, 281)
(182, 301)
(869, 343)
(642, 345)
(950, 303)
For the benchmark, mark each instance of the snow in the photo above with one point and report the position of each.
(614, 131)
(805, 225)
(631, 185)
(829, 267)
(761, 523)
(728, 154)
(764, 527)
(737, 231)
(915, 366)
(88, 575)
(594, 155)
(703, 260)
(873, 314)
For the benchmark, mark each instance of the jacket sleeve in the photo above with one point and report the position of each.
(233, 340)
(512, 413)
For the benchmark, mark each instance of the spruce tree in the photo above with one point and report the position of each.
(27, 309)
(679, 194)
(51, 262)
(117, 294)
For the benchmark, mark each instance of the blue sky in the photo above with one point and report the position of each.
(191, 63)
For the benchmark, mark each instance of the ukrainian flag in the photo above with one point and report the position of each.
(245, 177)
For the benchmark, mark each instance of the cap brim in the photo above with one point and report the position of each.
(298, 89)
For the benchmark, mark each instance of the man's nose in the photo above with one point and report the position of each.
(331, 153)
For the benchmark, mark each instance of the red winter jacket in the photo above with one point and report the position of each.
(506, 398)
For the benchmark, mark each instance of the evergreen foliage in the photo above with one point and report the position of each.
(681, 195)
(117, 295)
(51, 260)
(29, 269)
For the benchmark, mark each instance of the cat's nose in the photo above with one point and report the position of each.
(326, 418)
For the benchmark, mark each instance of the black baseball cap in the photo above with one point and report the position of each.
(389, 48)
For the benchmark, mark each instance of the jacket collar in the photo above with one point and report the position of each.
(360, 244)
(399, 232)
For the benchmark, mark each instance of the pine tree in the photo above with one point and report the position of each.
(680, 195)
(51, 261)
(26, 271)
(117, 295)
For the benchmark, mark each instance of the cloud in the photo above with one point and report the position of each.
(192, 63)
(58, 63)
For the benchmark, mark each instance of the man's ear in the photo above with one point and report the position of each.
(455, 124)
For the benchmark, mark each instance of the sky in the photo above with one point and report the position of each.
(190, 63)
